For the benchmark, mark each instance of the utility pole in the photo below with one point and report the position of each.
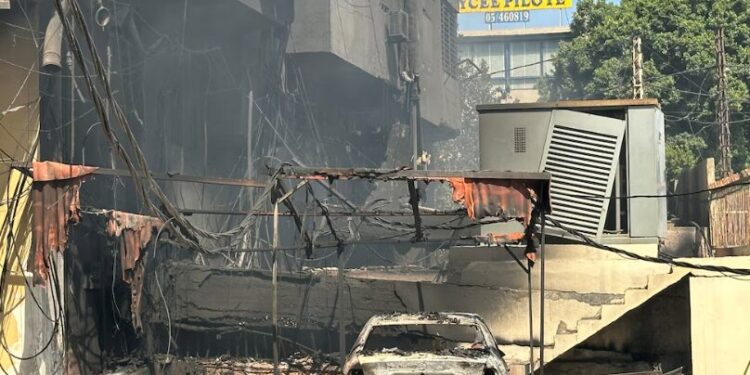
(637, 58)
(722, 107)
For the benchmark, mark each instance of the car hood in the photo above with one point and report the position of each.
(423, 363)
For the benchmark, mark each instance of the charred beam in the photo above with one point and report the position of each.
(414, 201)
(26, 168)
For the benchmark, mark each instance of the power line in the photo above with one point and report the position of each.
(669, 195)
(480, 74)
(680, 73)
(621, 252)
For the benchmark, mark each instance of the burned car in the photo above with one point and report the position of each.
(425, 343)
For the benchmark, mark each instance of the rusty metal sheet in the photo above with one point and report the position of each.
(135, 232)
(528, 184)
(731, 179)
(56, 204)
(511, 200)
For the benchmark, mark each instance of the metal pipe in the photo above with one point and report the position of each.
(275, 276)
(52, 49)
(72, 69)
(275, 284)
(541, 297)
(531, 319)
(340, 303)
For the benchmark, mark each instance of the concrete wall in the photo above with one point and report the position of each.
(203, 299)
(356, 34)
(24, 328)
(439, 96)
(657, 331)
(563, 264)
(274, 10)
(693, 207)
(720, 332)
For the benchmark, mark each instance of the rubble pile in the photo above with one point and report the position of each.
(297, 365)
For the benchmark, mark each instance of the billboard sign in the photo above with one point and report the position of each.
(477, 6)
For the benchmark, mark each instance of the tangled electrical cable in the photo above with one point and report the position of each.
(186, 233)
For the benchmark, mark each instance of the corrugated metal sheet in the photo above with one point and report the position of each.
(731, 179)
(56, 204)
(510, 200)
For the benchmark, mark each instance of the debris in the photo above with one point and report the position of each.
(135, 232)
(456, 343)
(56, 204)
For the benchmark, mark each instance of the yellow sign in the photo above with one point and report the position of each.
(474, 6)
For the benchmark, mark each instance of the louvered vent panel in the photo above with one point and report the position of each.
(580, 163)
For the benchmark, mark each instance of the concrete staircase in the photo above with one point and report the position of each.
(517, 356)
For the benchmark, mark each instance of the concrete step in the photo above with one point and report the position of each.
(609, 313)
(661, 281)
(518, 354)
(563, 343)
(518, 369)
(587, 327)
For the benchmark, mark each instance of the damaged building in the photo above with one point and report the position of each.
(238, 186)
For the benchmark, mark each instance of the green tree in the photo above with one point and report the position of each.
(683, 151)
(679, 65)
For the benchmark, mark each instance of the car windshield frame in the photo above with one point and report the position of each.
(425, 336)
(419, 319)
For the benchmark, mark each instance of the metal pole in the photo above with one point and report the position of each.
(72, 70)
(275, 277)
(414, 132)
(275, 283)
(541, 298)
(722, 107)
(637, 60)
(340, 306)
(531, 320)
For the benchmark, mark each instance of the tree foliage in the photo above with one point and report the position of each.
(678, 38)
(683, 151)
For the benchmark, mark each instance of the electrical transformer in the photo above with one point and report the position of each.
(606, 158)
